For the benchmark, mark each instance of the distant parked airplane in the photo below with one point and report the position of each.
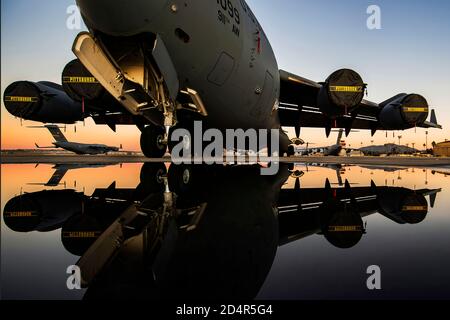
(333, 150)
(387, 149)
(78, 148)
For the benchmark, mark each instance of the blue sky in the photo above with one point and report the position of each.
(411, 53)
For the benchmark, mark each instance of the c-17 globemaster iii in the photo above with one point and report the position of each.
(78, 148)
(161, 65)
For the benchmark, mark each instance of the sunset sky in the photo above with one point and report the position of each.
(411, 53)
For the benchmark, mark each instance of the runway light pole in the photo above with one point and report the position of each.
(399, 140)
(426, 140)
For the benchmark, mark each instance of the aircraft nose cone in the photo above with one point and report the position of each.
(121, 18)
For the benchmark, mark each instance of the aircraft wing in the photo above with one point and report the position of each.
(299, 108)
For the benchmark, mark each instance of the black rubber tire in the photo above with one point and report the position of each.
(180, 178)
(151, 177)
(150, 145)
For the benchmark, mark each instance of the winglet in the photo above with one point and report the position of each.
(433, 199)
(112, 186)
(433, 118)
(433, 121)
(328, 130)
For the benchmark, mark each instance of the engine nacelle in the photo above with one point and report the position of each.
(81, 86)
(41, 101)
(41, 211)
(405, 206)
(341, 93)
(403, 111)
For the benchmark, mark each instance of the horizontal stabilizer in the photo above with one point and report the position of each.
(37, 146)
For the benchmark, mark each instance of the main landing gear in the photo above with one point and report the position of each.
(153, 141)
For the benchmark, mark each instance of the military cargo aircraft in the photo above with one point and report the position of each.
(387, 149)
(78, 148)
(333, 150)
(161, 65)
(62, 168)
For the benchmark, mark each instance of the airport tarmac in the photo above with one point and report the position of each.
(378, 161)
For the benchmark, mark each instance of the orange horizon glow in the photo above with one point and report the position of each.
(15, 135)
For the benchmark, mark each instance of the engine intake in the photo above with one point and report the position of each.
(79, 83)
(403, 111)
(41, 101)
(341, 93)
(81, 86)
(403, 205)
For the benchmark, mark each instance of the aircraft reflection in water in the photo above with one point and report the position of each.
(62, 168)
(200, 231)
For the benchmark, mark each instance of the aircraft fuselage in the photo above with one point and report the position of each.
(82, 148)
(217, 48)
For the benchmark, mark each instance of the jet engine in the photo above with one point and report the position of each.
(41, 101)
(341, 93)
(41, 211)
(404, 111)
(81, 86)
(403, 205)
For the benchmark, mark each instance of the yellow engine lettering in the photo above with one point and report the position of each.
(346, 88)
(79, 80)
(415, 109)
(81, 234)
(19, 214)
(414, 208)
(344, 228)
(20, 99)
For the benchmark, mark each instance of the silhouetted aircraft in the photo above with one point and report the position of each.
(387, 149)
(78, 148)
(177, 231)
(161, 66)
(63, 168)
(333, 150)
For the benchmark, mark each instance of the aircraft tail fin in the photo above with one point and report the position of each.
(56, 133)
(341, 132)
(56, 178)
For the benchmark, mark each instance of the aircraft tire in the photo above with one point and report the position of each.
(151, 177)
(150, 142)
